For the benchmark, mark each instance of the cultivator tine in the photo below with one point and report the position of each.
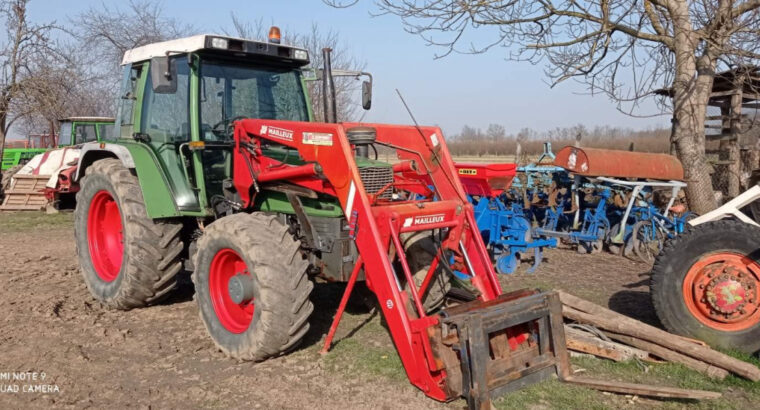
(537, 257)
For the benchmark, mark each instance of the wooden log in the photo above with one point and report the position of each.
(584, 311)
(671, 356)
(584, 342)
(593, 347)
(643, 389)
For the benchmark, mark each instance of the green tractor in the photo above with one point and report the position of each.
(151, 190)
(218, 166)
(74, 131)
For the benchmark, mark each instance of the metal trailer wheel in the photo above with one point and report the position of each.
(705, 284)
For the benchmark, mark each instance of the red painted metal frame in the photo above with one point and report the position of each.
(486, 179)
(379, 223)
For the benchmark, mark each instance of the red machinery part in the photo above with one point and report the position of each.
(488, 180)
(106, 238)
(378, 224)
(721, 291)
(597, 162)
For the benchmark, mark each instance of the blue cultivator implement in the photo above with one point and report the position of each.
(506, 230)
(589, 229)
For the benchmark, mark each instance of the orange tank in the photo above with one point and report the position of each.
(597, 162)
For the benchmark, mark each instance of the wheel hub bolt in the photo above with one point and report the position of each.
(240, 288)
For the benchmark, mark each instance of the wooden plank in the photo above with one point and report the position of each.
(643, 389)
(20, 208)
(30, 176)
(672, 356)
(584, 342)
(559, 344)
(584, 311)
(715, 137)
(24, 192)
(591, 346)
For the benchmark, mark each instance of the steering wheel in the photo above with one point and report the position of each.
(226, 131)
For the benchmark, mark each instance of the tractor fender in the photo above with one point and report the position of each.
(733, 209)
(159, 200)
(93, 151)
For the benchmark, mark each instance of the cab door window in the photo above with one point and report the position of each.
(85, 133)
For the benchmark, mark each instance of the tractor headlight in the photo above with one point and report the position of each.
(217, 42)
(300, 54)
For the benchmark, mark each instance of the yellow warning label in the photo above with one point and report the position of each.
(468, 171)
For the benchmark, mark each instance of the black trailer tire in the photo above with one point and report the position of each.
(688, 259)
(274, 273)
(150, 252)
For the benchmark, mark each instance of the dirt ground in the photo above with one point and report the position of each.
(161, 357)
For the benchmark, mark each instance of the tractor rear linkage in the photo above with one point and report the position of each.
(478, 349)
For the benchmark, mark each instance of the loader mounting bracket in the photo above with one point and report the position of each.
(505, 344)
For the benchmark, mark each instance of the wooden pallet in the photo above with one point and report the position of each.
(26, 193)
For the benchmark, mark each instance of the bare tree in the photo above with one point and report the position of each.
(24, 45)
(63, 87)
(109, 31)
(314, 41)
(622, 48)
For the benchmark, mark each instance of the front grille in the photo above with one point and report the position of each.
(376, 178)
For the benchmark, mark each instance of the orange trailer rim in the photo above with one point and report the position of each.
(720, 290)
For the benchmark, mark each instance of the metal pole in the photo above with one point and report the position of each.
(343, 303)
(328, 88)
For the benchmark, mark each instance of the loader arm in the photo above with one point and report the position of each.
(376, 224)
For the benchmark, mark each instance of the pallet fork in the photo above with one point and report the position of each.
(479, 349)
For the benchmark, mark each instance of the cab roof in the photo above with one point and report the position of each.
(87, 119)
(218, 44)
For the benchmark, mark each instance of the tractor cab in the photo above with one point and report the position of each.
(80, 130)
(180, 99)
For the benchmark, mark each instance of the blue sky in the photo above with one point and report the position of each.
(459, 89)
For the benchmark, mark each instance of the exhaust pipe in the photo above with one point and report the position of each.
(328, 88)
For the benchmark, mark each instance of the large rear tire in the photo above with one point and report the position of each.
(251, 286)
(705, 284)
(127, 259)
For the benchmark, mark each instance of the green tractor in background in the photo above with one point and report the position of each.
(73, 131)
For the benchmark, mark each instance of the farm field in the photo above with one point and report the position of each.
(161, 357)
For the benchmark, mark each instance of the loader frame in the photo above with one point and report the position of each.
(376, 225)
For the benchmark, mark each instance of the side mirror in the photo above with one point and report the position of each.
(163, 75)
(366, 95)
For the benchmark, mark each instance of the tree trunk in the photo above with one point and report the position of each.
(688, 137)
(2, 138)
(690, 96)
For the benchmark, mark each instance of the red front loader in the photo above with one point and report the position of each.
(488, 346)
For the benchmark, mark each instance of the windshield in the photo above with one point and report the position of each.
(230, 92)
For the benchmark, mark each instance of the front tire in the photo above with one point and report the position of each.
(251, 286)
(705, 284)
(127, 259)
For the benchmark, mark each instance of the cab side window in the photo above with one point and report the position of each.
(85, 133)
(130, 77)
(165, 116)
(64, 137)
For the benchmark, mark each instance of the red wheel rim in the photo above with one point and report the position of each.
(236, 317)
(105, 236)
(720, 290)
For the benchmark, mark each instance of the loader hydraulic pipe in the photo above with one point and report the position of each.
(430, 274)
(407, 273)
(404, 166)
(289, 172)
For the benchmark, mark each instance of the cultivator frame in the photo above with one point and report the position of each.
(491, 326)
